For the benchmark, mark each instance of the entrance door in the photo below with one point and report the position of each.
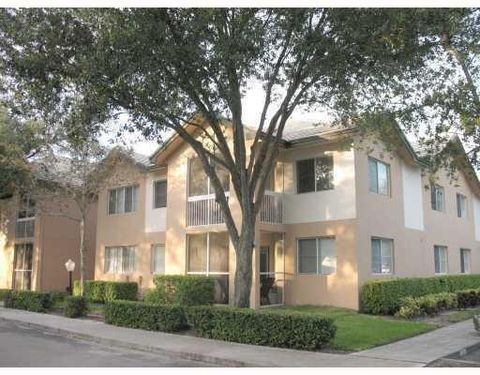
(23, 262)
(264, 260)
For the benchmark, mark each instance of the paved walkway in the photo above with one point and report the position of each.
(428, 347)
(417, 352)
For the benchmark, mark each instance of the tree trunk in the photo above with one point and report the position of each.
(82, 255)
(243, 271)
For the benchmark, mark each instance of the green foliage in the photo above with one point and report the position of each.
(145, 316)
(120, 290)
(98, 291)
(28, 300)
(385, 296)
(182, 290)
(286, 330)
(75, 307)
(3, 293)
(428, 305)
(58, 297)
(468, 298)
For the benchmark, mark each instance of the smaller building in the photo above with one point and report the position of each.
(37, 236)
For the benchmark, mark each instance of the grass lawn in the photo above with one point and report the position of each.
(360, 331)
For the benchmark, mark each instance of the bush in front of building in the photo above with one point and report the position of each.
(182, 290)
(57, 296)
(28, 300)
(165, 318)
(468, 298)
(99, 291)
(386, 296)
(120, 290)
(75, 307)
(3, 293)
(286, 330)
(428, 305)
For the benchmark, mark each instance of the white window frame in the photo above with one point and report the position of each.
(154, 193)
(462, 260)
(152, 255)
(122, 271)
(435, 190)
(445, 248)
(135, 199)
(389, 177)
(315, 158)
(392, 256)
(462, 211)
(318, 254)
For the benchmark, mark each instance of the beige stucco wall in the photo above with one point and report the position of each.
(383, 216)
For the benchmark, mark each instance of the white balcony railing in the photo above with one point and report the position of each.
(203, 210)
(272, 208)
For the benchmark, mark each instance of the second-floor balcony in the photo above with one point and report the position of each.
(203, 210)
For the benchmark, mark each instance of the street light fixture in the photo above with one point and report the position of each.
(70, 266)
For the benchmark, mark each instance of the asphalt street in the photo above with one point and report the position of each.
(27, 347)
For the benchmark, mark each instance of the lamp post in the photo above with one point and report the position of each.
(70, 266)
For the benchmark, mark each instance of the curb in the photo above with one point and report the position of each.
(128, 345)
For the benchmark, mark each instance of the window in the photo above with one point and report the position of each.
(25, 225)
(123, 200)
(315, 174)
(382, 256)
(158, 259)
(461, 205)
(207, 254)
(160, 194)
(438, 198)
(440, 258)
(120, 259)
(317, 256)
(23, 265)
(199, 183)
(465, 260)
(379, 176)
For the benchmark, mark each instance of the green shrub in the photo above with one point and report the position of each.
(99, 291)
(293, 330)
(94, 290)
(28, 300)
(428, 305)
(3, 292)
(58, 296)
(385, 296)
(123, 290)
(182, 290)
(75, 307)
(141, 315)
(468, 298)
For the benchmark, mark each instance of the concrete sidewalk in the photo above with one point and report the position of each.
(187, 347)
(412, 352)
(428, 347)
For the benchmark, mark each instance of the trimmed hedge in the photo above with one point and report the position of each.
(428, 305)
(385, 296)
(28, 300)
(182, 290)
(145, 316)
(58, 296)
(292, 330)
(468, 298)
(98, 291)
(3, 293)
(75, 307)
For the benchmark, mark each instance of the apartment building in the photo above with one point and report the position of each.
(338, 210)
(38, 234)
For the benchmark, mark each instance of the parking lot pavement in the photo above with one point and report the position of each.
(27, 347)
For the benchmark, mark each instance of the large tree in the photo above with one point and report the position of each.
(163, 66)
